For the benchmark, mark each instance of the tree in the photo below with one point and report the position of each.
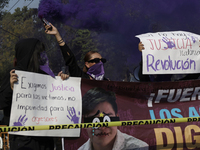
(24, 23)
(3, 3)
(115, 67)
(14, 26)
(82, 43)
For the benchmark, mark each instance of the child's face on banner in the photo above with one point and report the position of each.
(103, 135)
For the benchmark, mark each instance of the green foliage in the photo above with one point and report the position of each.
(14, 26)
(81, 42)
(24, 23)
(3, 3)
(114, 68)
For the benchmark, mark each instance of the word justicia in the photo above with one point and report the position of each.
(168, 64)
(62, 88)
(166, 43)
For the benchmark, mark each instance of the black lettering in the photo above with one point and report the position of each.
(135, 122)
(89, 125)
(166, 121)
(31, 128)
(194, 119)
(129, 123)
(141, 122)
(172, 121)
(24, 129)
(14, 129)
(158, 121)
(58, 127)
(69, 126)
(105, 124)
(22, 83)
(76, 126)
(51, 127)
(64, 126)
(98, 125)
(123, 123)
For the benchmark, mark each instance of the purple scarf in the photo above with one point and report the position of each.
(96, 71)
(45, 64)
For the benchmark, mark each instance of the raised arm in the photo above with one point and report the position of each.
(68, 55)
(55, 32)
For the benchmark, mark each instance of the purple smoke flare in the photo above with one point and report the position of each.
(119, 21)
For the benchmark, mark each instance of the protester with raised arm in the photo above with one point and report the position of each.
(94, 63)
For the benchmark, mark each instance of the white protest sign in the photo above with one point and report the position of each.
(43, 100)
(172, 52)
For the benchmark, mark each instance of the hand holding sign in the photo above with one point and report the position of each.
(63, 76)
(13, 78)
(140, 46)
(35, 103)
(174, 52)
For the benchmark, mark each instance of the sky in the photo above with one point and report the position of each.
(13, 4)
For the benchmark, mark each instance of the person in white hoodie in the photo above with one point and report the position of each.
(99, 105)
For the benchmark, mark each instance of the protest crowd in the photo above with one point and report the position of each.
(60, 92)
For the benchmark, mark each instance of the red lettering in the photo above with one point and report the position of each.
(159, 44)
(33, 119)
(188, 44)
(151, 44)
(37, 120)
(174, 40)
(183, 43)
(178, 45)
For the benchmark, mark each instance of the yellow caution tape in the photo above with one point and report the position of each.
(97, 125)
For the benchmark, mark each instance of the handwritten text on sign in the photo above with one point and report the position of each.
(170, 52)
(42, 100)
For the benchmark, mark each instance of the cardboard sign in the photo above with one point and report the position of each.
(42, 100)
(175, 52)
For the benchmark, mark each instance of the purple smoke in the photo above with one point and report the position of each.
(123, 16)
(119, 21)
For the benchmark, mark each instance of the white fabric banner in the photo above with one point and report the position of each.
(43, 100)
(172, 52)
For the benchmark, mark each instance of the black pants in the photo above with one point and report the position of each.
(18, 142)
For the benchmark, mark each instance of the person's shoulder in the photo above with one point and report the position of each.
(133, 142)
(106, 79)
(85, 146)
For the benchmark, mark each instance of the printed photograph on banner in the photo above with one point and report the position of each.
(134, 103)
(99, 105)
(43, 100)
(172, 52)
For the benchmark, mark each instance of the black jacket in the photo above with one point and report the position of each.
(24, 50)
(70, 61)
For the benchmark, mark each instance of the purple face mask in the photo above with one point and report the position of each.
(44, 64)
(96, 71)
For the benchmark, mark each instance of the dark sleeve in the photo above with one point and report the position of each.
(6, 98)
(190, 77)
(71, 62)
(5, 92)
(142, 77)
